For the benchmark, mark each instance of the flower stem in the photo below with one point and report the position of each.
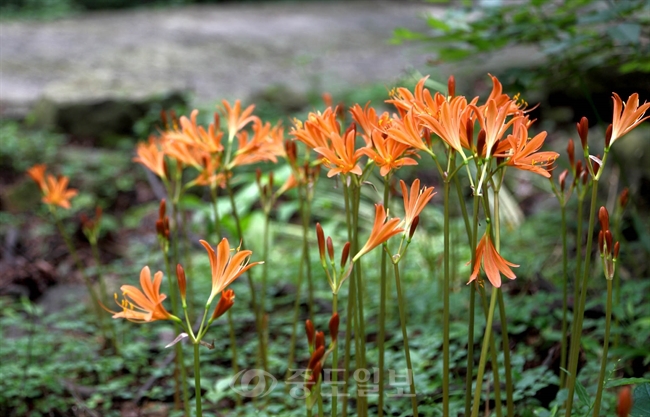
(407, 353)
(197, 380)
(484, 353)
(382, 309)
(579, 312)
(565, 301)
(445, 311)
(603, 363)
(335, 362)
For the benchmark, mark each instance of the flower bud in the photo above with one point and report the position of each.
(624, 405)
(334, 326)
(351, 128)
(583, 131)
(480, 142)
(617, 248)
(414, 225)
(601, 242)
(316, 357)
(258, 176)
(330, 248)
(313, 378)
(451, 86)
(585, 176)
(320, 237)
(469, 131)
(182, 282)
(609, 241)
(309, 329)
(608, 136)
(162, 210)
(624, 197)
(570, 150)
(603, 216)
(217, 120)
(163, 118)
(319, 340)
(226, 301)
(345, 254)
(562, 179)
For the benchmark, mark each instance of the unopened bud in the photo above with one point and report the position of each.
(313, 378)
(163, 118)
(624, 405)
(327, 99)
(608, 136)
(320, 237)
(601, 242)
(480, 142)
(583, 131)
(345, 254)
(319, 340)
(330, 248)
(451, 86)
(624, 197)
(162, 210)
(617, 248)
(562, 179)
(226, 301)
(258, 176)
(309, 330)
(351, 128)
(414, 225)
(217, 120)
(585, 177)
(316, 357)
(469, 131)
(603, 216)
(182, 282)
(570, 150)
(426, 134)
(609, 241)
(334, 326)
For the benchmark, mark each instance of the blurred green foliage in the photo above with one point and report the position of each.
(575, 36)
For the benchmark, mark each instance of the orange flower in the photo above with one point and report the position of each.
(388, 153)
(237, 119)
(524, 152)
(340, 156)
(450, 123)
(226, 301)
(56, 192)
(414, 201)
(369, 121)
(493, 264)
(408, 131)
(144, 306)
(226, 268)
(382, 230)
(37, 173)
(151, 156)
(192, 134)
(493, 121)
(627, 116)
(315, 131)
(265, 145)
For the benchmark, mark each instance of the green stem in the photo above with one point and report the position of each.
(565, 301)
(335, 362)
(382, 308)
(361, 333)
(603, 363)
(579, 313)
(197, 380)
(265, 273)
(445, 313)
(484, 353)
(233, 351)
(407, 352)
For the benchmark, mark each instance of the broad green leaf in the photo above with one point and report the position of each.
(437, 24)
(641, 404)
(626, 381)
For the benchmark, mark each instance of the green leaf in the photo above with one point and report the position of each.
(641, 396)
(626, 381)
(582, 393)
(437, 24)
(626, 33)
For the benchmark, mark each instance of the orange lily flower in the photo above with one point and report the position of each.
(408, 131)
(341, 157)
(55, 190)
(192, 134)
(388, 153)
(151, 156)
(382, 230)
(265, 145)
(226, 268)
(420, 100)
(237, 119)
(493, 264)
(493, 121)
(144, 306)
(450, 123)
(524, 152)
(187, 154)
(315, 131)
(627, 116)
(369, 121)
(414, 201)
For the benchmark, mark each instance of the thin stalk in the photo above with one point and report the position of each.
(407, 352)
(102, 291)
(335, 362)
(197, 380)
(484, 353)
(495, 363)
(579, 313)
(445, 311)
(576, 284)
(382, 309)
(603, 362)
(265, 272)
(351, 302)
(617, 279)
(233, 352)
(361, 334)
(565, 301)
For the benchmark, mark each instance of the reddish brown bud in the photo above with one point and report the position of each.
(584, 176)
(316, 357)
(624, 197)
(624, 405)
(351, 128)
(608, 136)
(563, 176)
(570, 150)
(309, 330)
(327, 99)
(182, 282)
(334, 326)
(469, 130)
(258, 176)
(583, 131)
(609, 241)
(271, 180)
(345, 253)
(320, 237)
(319, 340)
(163, 118)
(162, 210)
(330, 248)
(578, 169)
(313, 378)
(166, 169)
(603, 216)
(617, 248)
(217, 120)
(601, 242)
(226, 301)
(480, 142)
(414, 226)
(426, 134)
(451, 86)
